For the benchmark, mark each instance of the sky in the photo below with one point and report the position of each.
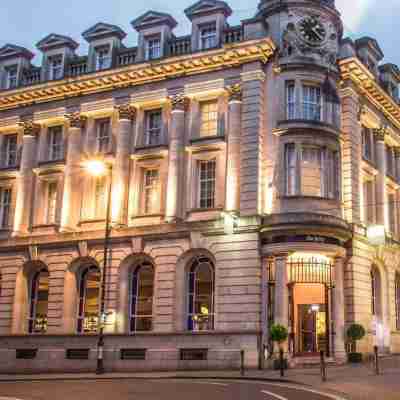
(25, 22)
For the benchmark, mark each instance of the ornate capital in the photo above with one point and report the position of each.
(126, 111)
(396, 150)
(361, 111)
(380, 133)
(30, 128)
(76, 120)
(179, 102)
(235, 92)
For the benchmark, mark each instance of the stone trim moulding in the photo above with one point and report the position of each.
(352, 69)
(232, 55)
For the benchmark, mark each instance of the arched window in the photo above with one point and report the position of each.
(397, 299)
(39, 296)
(141, 302)
(201, 295)
(375, 291)
(89, 295)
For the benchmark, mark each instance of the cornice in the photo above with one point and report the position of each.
(231, 55)
(354, 70)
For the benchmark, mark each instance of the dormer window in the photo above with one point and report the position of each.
(56, 68)
(103, 58)
(208, 36)
(153, 48)
(12, 78)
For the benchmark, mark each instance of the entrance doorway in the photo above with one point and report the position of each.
(310, 324)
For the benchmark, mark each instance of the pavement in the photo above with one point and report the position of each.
(348, 382)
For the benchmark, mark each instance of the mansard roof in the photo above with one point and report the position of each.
(153, 18)
(53, 41)
(372, 44)
(207, 7)
(14, 51)
(102, 29)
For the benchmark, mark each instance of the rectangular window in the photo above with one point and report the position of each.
(56, 68)
(100, 197)
(311, 171)
(11, 78)
(206, 171)
(209, 118)
(5, 207)
(208, 36)
(103, 135)
(103, 58)
(153, 48)
(311, 103)
(55, 135)
(9, 156)
(290, 101)
(366, 143)
(151, 196)
(51, 203)
(368, 187)
(290, 156)
(392, 212)
(153, 128)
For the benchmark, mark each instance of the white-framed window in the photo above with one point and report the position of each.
(311, 171)
(153, 48)
(206, 183)
(5, 207)
(51, 208)
(56, 68)
(11, 78)
(100, 197)
(208, 36)
(153, 125)
(151, 191)
(103, 136)
(290, 100)
(312, 102)
(10, 151)
(56, 147)
(103, 58)
(208, 118)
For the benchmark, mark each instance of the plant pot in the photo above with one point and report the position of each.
(277, 364)
(354, 357)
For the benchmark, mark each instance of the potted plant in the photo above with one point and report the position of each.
(355, 332)
(279, 334)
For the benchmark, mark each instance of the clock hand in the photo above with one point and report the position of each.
(320, 37)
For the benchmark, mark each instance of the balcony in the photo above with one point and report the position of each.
(233, 35)
(31, 76)
(180, 46)
(78, 67)
(126, 57)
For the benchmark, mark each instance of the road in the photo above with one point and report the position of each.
(152, 389)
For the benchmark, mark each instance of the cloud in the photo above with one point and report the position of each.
(353, 12)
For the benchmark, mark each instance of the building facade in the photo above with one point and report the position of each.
(254, 173)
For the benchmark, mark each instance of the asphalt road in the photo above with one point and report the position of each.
(136, 389)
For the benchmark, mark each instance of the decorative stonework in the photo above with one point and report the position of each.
(76, 120)
(235, 92)
(179, 102)
(30, 128)
(380, 133)
(126, 111)
(396, 150)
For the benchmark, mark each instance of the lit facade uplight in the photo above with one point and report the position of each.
(95, 167)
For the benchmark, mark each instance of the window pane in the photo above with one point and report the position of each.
(56, 143)
(100, 197)
(39, 302)
(151, 197)
(312, 103)
(290, 169)
(208, 36)
(5, 206)
(51, 202)
(311, 171)
(290, 101)
(103, 135)
(91, 300)
(207, 184)
(153, 128)
(209, 118)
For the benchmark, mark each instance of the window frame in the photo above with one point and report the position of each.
(149, 188)
(397, 298)
(56, 148)
(12, 77)
(208, 33)
(9, 153)
(207, 180)
(210, 109)
(51, 202)
(367, 143)
(103, 58)
(5, 207)
(99, 199)
(290, 96)
(308, 106)
(150, 47)
(150, 130)
(103, 135)
(56, 67)
(34, 299)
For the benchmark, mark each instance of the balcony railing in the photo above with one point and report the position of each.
(233, 35)
(180, 46)
(30, 77)
(77, 69)
(126, 57)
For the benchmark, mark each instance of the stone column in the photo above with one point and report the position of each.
(120, 182)
(70, 203)
(175, 157)
(397, 162)
(381, 195)
(23, 207)
(233, 154)
(338, 311)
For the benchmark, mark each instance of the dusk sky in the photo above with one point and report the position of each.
(24, 22)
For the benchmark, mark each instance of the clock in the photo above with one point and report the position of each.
(312, 30)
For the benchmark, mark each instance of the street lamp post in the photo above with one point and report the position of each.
(98, 168)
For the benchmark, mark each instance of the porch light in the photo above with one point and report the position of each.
(376, 234)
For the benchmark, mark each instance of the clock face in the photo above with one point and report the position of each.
(312, 30)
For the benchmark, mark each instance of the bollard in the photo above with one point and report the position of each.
(376, 360)
(323, 366)
(242, 362)
(281, 365)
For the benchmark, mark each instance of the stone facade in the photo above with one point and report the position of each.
(271, 156)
